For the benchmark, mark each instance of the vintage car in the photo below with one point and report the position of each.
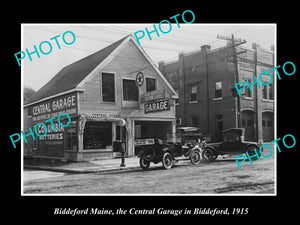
(232, 143)
(189, 136)
(155, 150)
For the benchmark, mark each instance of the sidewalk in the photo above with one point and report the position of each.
(94, 166)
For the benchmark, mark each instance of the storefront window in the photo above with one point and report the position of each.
(72, 136)
(97, 135)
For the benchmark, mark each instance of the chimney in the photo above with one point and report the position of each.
(205, 48)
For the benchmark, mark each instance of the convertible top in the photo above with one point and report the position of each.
(188, 129)
(240, 131)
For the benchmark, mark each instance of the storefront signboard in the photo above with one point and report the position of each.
(53, 107)
(157, 106)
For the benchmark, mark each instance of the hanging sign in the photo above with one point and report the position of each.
(153, 95)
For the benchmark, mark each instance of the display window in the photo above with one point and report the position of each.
(71, 134)
(97, 135)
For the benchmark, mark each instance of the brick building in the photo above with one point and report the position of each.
(204, 81)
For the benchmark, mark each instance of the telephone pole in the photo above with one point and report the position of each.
(233, 43)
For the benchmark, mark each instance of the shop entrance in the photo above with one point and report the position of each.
(152, 129)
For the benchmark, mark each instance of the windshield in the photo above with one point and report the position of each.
(185, 136)
(231, 137)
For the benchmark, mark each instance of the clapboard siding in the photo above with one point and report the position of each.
(125, 65)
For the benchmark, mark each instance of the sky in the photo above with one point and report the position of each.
(90, 38)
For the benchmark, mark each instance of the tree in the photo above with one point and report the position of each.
(27, 93)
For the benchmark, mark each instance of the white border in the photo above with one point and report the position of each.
(142, 25)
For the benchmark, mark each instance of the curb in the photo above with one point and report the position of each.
(80, 171)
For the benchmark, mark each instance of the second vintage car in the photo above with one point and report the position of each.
(232, 143)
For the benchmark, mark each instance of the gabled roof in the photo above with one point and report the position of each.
(70, 76)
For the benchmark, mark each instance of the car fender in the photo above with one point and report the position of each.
(166, 149)
(197, 148)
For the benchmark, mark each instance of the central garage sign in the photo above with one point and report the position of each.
(157, 106)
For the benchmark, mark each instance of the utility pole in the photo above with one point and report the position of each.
(235, 42)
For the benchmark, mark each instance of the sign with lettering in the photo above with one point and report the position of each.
(149, 141)
(104, 115)
(152, 95)
(157, 106)
(53, 107)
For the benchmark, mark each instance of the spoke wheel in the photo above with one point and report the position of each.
(195, 157)
(144, 163)
(167, 160)
(208, 155)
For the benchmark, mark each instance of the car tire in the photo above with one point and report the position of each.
(251, 152)
(144, 163)
(167, 160)
(208, 155)
(195, 157)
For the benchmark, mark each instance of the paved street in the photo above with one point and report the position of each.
(219, 177)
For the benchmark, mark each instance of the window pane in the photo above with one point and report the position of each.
(243, 122)
(108, 87)
(177, 100)
(269, 123)
(72, 136)
(219, 122)
(194, 89)
(271, 92)
(218, 89)
(218, 85)
(247, 90)
(194, 122)
(130, 90)
(150, 84)
(264, 90)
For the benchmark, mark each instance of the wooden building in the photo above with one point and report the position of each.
(116, 93)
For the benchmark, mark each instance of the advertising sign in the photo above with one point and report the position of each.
(152, 95)
(53, 107)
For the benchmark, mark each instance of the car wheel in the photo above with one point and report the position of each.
(208, 155)
(167, 160)
(251, 152)
(149, 153)
(144, 163)
(195, 157)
